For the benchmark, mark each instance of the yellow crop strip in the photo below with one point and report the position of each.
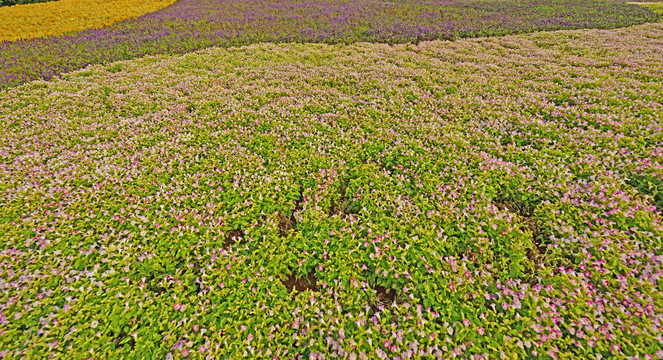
(68, 16)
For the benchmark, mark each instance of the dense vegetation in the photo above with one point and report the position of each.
(656, 7)
(70, 16)
(485, 198)
(195, 24)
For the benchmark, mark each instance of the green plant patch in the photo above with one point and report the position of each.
(479, 199)
(21, 2)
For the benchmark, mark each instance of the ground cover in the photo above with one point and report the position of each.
(68, 16)
(655, 6)
(194, 24)
(484, 198)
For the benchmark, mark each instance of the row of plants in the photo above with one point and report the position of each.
(190, 25)
(484, 198)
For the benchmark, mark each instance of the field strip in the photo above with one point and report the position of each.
(68, 16)
(190, 25)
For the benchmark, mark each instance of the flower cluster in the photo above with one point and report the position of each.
(190, 25)
(482, 198)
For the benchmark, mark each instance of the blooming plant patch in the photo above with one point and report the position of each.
(190, 25)
(483, 198)
(68, 16)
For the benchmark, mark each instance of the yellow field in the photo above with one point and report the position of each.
(66, 16)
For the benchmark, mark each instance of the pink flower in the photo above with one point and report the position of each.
(17, 316)
(466, 322)
(177, 306)
(480, 331)
(591, 343)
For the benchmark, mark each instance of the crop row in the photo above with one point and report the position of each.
(485, 198)
(195, 24)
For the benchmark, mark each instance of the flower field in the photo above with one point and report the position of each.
(485, 198)
(190, 25)
(69, 16)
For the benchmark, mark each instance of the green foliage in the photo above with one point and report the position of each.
(21, 2)
(481, 198)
